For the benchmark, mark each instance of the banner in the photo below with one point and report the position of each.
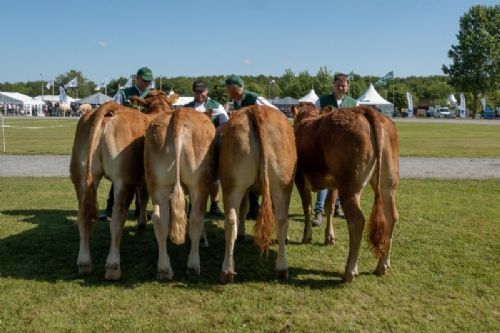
(383, 80)
(62, 95)
(409, 99)
(463, 111)
(483, 103)
(452, 101)
(49, 84)
(71, 84)
(152, 85)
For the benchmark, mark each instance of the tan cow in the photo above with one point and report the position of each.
(84, 108)
(178, 154)
(346, 149)
(257, 154)
(109, 142)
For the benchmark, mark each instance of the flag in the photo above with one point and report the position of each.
(62, 95)
(452, 101)
(152, 85)
(409, 99)
(351, 76)
(483, 103)
(383, 80)
(462, 106)
(49, 84)
(71, 84)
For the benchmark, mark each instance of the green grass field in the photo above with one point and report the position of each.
(55, 137)
(444, 275)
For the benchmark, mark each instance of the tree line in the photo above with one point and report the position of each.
(474, 71)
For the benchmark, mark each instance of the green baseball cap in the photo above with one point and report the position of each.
(145, 73)
(234, 80)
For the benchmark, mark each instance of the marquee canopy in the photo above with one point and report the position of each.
(311, 97)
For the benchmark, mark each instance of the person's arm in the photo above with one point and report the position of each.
(118, 98)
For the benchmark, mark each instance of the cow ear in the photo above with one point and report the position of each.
(328, 109)
(171, 99)
(209, 113)
(137, 100)
(295, 111)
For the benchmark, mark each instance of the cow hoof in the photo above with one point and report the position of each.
(193, 271)
(381, 270)
(348, 277)
(306, 240)
(85, 269)
(282, 274)
(329, 240)
(227, 277)
(165, 274)
(113, 272)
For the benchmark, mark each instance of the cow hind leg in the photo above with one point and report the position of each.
(143, 197)
(161, 218)
(87, 208)
(329, 231)
(356, 224)
(196, 219)
(232, 201)
(123, 196)
(305, 196)
(281, 203)
(391, 216)
(244, 207)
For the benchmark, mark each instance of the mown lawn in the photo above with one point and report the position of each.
(46, 136)
(444, 276)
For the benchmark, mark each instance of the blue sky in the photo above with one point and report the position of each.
(109, 39)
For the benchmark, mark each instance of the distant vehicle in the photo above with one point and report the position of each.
(444, 112)
(430, 112)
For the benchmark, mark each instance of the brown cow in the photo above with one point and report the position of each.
(179, 153)
(257, 154)
(345, 149)
(109, 142)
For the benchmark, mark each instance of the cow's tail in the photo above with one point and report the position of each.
(177, 201)
(88, 204)
(378, 231)
(264, 225)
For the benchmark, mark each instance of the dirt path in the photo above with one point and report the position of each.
(411, 167)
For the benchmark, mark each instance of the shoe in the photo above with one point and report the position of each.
(338, 212)
(105, 217)
(215, 210)
(317, 220)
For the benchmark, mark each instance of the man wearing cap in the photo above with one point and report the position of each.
(141, 89)
(143, 80)
(202, 103)
(241, 97)
(338, 99)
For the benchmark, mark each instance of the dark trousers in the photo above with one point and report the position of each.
(111, 200)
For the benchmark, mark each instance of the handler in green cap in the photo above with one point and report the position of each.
(143, 81)
(141, 89)
(241, 97)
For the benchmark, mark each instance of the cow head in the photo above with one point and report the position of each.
(155, 99)
(304, 110)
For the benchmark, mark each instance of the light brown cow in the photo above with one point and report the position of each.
(109, 142)
(257, 154)
(179, 153)
(84, 108)
(346, 149)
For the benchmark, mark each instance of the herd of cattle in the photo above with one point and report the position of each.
(164, 153)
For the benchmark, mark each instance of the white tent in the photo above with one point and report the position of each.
(372, 97)
(311, 97)
(53, 98)
(26, 102)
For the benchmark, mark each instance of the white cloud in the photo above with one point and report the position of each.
(103, 44)
(247, 62)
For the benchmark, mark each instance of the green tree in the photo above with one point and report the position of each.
(475, 59)
(85, 87)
